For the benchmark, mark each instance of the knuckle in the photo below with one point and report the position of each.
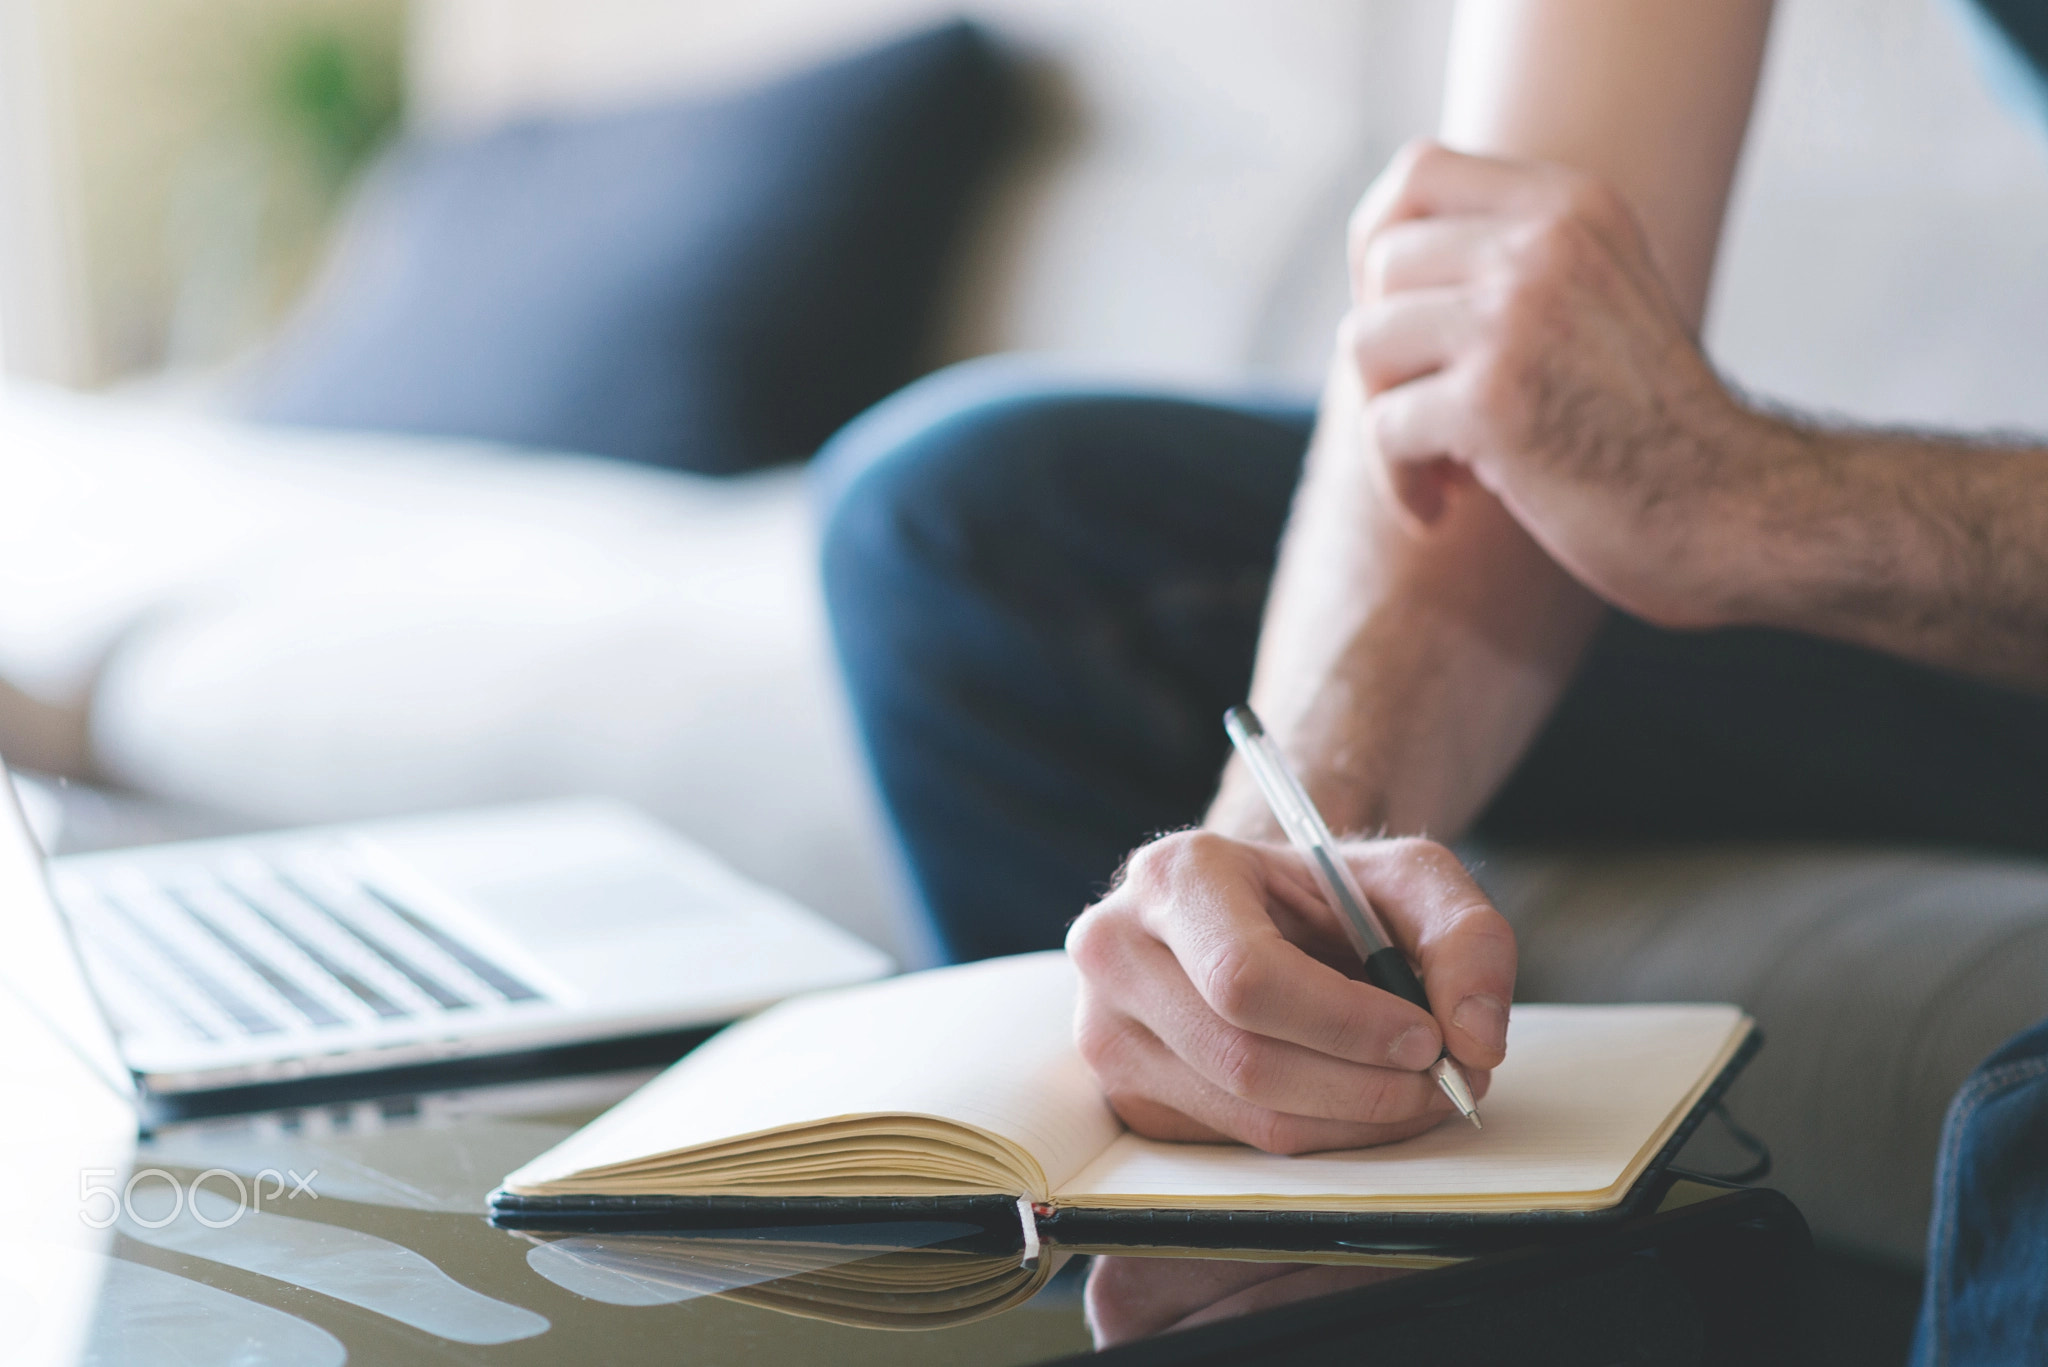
(1421, 849)
(1201, 847)
(1103, 1039)
(1386, 423)
(1160, 862)
(1439, 859)
(1483, 929)
(1088, 939)
(1353, 1031)
(1507, 358)
(1519, 322)
(1385, 1098)
(1235, 985)
(1146, 869)
(1363, 327)
(1241, 1065)
(1485, 403)
(1377, 371)
(1135, 1109)
(1592, 200)
(1547, 246)
(1496, 389)
(1416, 157)
(1518, 310)
(1141, 863)
(1376, 263)
(1409, 164)
(1275, 1133)
(1264, 1130)
(1471, 912)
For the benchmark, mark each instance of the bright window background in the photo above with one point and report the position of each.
(170, 167)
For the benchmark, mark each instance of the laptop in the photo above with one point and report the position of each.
(275, 969)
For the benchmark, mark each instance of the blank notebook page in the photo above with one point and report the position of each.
(1586, 1098)
(987, 1044)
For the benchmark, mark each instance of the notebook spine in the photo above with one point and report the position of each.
(674, 1214)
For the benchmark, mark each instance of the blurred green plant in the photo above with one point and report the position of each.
(340, 93)
(214, 142)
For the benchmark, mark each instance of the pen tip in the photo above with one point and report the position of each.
(1452, 1080)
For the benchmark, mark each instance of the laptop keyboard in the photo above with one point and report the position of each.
(258, 945)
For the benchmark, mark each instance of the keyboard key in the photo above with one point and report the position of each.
(362, 991)
(443, 996)
(302, 1001)
(505, 984)
(245, 1016)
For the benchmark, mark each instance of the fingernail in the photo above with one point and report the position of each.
(1415, 1048)
(1484, 1019)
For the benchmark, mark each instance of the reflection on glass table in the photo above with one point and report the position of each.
(1132, 1298)
(900, 1275)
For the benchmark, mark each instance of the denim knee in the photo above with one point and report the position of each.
(909, 489)
(1032, 583)
(1986, 1296)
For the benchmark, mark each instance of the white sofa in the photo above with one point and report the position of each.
(290, 628)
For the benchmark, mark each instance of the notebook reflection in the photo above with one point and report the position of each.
(894, 1275)
(932, 1275)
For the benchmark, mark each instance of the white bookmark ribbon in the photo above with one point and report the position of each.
(1029, 1221)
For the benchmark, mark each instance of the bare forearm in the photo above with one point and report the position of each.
(1930, 548)
(1405, 668)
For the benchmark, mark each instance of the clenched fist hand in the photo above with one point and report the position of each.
(1509, 325)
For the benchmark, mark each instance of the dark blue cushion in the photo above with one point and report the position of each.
(712, 285)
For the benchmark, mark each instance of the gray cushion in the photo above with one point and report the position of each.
(1879, 979)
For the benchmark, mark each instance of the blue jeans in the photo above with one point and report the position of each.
(1045, 594)
(1986, 1298)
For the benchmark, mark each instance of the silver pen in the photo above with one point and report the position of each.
(1386, 967)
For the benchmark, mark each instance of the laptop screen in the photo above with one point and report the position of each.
(38, 961)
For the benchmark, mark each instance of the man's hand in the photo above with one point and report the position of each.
(1219, 999)
(1510, 325)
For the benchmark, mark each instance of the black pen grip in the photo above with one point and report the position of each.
(1388, 970)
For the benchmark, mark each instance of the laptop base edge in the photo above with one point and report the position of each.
(588, 1056)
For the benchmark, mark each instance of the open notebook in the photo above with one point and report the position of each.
(952, 1088)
